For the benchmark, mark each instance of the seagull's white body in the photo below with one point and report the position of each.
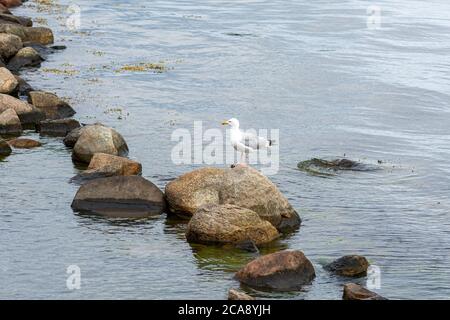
(245, 142)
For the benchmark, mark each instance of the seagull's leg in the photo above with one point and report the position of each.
(242, 163)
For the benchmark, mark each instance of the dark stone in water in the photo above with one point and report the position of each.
(120, 196)
(5, 149)
(328, 167)
(280, 271)
(247, 245)
(350, 266)
(57, 128)
(353, 291)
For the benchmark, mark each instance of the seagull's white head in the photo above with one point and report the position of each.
(233, 123)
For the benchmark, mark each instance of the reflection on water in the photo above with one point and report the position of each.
(312, 69)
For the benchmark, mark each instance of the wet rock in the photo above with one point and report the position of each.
(353, 291)
(11, 3)
(8, 18)
(247, 245)
(350, 266)
(72, 137)
(9, 45)
(242, 186)
(26, 58)
(14, 29)
(24, 87)
(280, 271)
(229, 224)
(53, 107)
(23, 143)
(10, 123)
(329, 167)
(4, 9)
(234, 294)
(98, 139)
(5, 149)
(8, 83)
(41, 35)
(120, 196)
(106, 165)
(27, 113)
(57, 128)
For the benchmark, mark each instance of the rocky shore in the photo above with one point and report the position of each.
(224, 206)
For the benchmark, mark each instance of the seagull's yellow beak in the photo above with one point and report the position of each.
(224, 123)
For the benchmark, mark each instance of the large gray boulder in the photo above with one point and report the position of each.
(10, 123)
(27, 113)
(280, 271)
(121, 196)
(98, 139)
(228, 223)
(242, 186)
(53, 106)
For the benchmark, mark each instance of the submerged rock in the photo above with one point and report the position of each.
(10, 123)
(350, 266)
(229, 224)
(23, 143)
(121, 196)
(353, 291)
(241, 186)
(26, 58)
(234, 294)
(53, 107)
(8, 83)
(98, 139)
(57, 128)
(5, 149)
(9, 45)
(329, 167)
(106, 165)
(280, 271)
(27, 113)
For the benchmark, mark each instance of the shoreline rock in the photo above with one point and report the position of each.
(5, 149)
(281, 271)
(49, 103)
(349, 266)
(353, 291)
(26, 112)
(241, 186)
(24, 143)
(10, 123)
(120, 196)
(106, 165)
(26, 57)
(221, 224)
(234, 294)
(57, 128)
(98, 139)
(8, 82)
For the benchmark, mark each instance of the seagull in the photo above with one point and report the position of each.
(245, 142)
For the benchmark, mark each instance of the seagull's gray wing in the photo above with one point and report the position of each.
(251, 140)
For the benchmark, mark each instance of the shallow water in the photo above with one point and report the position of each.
(309, 68)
